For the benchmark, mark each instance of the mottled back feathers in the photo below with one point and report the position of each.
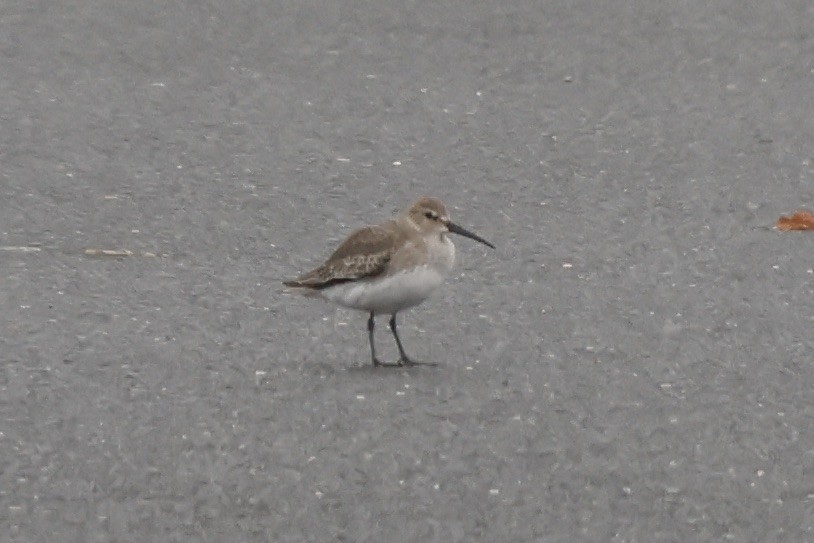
(365, 253)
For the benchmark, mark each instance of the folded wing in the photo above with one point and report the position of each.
(364, 254)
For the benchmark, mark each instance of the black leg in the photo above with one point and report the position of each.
(406, 360)
(371, 324)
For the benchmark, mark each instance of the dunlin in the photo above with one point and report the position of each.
(388, 267)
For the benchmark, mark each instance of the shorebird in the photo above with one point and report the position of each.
(388, 267)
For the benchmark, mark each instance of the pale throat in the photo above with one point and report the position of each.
(441, 250)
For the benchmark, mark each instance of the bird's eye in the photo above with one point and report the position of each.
(430, 215)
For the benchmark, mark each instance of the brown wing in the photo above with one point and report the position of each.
(365, 253)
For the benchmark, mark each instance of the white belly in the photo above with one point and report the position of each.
(387, 294)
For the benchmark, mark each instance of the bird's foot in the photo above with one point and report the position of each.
(378, 363)
(404, 360)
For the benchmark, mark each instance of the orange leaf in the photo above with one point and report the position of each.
(802, 220)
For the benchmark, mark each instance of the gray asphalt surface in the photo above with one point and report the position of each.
(633, 364)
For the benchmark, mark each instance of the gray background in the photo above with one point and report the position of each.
(632, 364)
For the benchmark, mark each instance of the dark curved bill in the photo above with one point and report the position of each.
(455, 229)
